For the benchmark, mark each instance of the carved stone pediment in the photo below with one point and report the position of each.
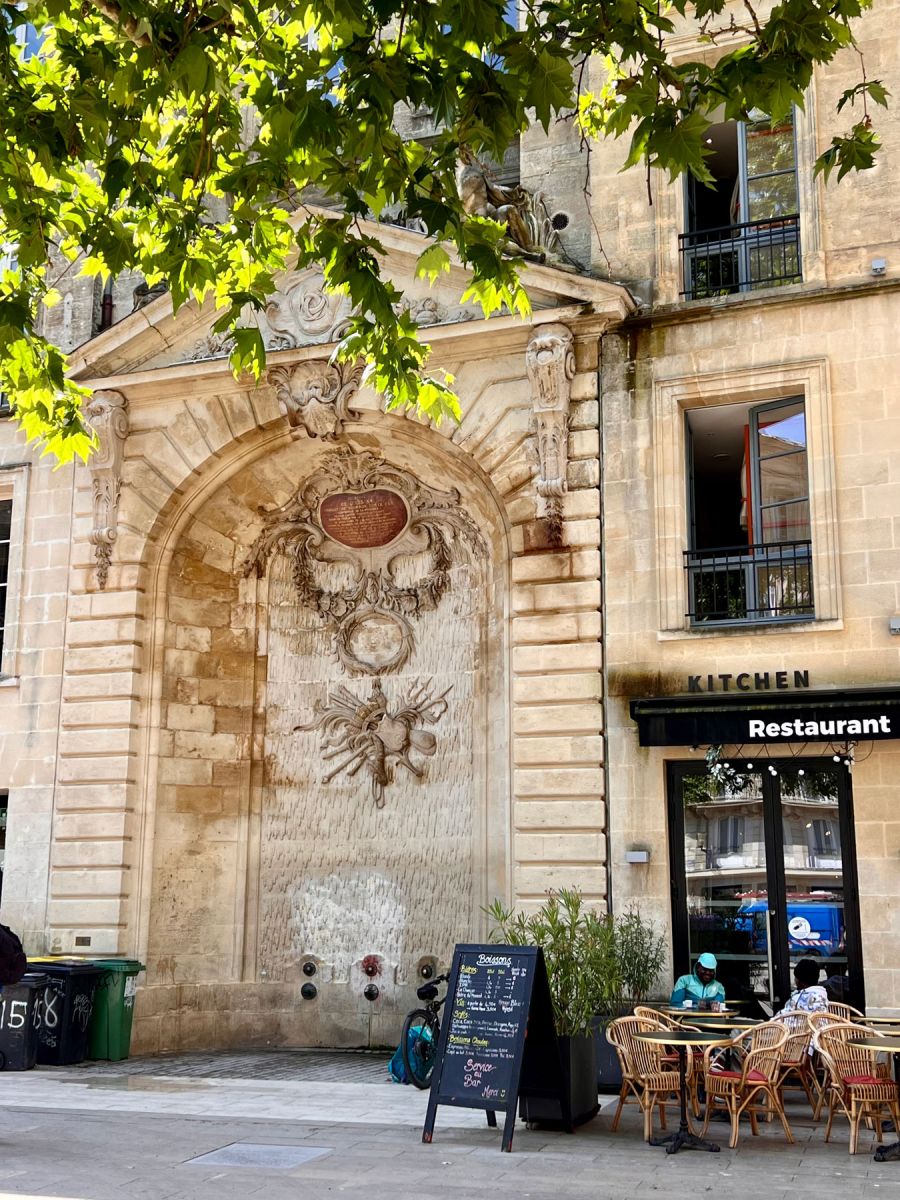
(371, 547)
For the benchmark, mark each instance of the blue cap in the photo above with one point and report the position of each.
(708, 961)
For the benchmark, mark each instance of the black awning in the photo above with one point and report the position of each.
(827, 715)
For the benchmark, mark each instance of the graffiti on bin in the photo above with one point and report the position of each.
(50, 1012)
(13, 1013)
(81, 1012)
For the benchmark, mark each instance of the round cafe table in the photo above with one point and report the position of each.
(682, 1040)
(891, 1043)
(717, 1021)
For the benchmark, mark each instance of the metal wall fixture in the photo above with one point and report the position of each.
(309, 991)
(371, 991)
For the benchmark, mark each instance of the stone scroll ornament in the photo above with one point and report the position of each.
(315, 396)
(550, 363)
(371, 547)
(367, 735)
(107, 415)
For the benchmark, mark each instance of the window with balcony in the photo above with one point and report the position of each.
(743, 231)
(5, 529)
(750, 543)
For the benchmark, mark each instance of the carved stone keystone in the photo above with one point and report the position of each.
(550, 363)
(107, 415)
(315, 396)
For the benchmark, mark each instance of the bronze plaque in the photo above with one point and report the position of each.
(364, 520)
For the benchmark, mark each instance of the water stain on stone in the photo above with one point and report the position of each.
(145, 1083)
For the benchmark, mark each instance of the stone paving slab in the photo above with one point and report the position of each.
(97, 1133)
(333, 1066)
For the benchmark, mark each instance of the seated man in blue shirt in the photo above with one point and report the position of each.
(702, 985)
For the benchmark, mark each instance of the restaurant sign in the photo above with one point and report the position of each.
(824, 716)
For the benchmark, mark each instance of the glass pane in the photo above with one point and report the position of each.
(5, 519)
(768, 148)
(782, 430)
(783, 478)
(786, 523)
(813, 873)
(771, 196)
(774, 258)
(725, 868)
(784, 588)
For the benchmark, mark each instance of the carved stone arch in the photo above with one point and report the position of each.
(409, 447)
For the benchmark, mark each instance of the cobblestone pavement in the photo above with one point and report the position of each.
(107, 1131)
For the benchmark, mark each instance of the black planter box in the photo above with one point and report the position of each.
(579, 1061)
(609, 1069)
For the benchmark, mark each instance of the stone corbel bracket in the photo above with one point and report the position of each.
(315, 396)
(107, 415)
(550, 363)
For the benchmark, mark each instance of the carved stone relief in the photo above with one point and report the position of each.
(524, 214)
(550, 363)
(315, 396)
(366, 735)
(107, 415)
(305, 314)
(370, 547)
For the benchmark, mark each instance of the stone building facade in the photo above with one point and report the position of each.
(293, 687)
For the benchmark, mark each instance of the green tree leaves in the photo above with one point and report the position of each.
(183, 139)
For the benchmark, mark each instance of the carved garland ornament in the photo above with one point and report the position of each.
(106, 413)
(371, 547)
(550, 363)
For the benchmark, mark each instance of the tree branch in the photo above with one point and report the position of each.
(128, 25)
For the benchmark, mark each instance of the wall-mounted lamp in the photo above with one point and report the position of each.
(894, 626)
(637, 854)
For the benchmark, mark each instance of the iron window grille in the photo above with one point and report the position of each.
(740, 258)
(760, 582)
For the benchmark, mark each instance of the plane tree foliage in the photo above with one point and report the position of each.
(182, 139)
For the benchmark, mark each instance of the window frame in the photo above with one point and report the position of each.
(14, 487)
(777, 381)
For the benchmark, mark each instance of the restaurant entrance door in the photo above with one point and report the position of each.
(764, 873)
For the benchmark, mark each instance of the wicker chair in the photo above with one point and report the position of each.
(756, 1083)
(828, 1020)
(855, 1083)
(645, 1075)
(797, 1062)
(670, 1060)
(845, 1012)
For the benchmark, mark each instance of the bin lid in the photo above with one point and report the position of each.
(66, 966)
(128, 966)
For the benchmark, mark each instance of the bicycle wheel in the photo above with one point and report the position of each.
(418, 1046)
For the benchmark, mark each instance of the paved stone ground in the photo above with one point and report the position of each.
(330, 1066)
(112, 1131)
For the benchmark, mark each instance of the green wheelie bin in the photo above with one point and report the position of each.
(109, 1035)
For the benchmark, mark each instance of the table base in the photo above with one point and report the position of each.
(888, 1153)
(683, 1139)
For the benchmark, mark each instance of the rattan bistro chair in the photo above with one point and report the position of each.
(845, 1012)
(755, 1084)
(645, 1076)
(797, 1063)
(856, 1084)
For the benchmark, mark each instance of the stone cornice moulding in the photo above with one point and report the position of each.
(481, 340)
(107, 414)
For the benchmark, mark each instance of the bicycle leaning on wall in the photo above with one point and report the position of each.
(418, 1045)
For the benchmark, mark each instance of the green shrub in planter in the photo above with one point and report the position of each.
(599, 965)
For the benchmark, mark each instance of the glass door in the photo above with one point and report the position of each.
(763, 874)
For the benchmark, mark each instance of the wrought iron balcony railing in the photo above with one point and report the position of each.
(739, 258)
(742, 584)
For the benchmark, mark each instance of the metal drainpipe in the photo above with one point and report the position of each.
(603, 668)
(106, 305)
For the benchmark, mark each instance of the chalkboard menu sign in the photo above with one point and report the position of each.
(496, 996)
